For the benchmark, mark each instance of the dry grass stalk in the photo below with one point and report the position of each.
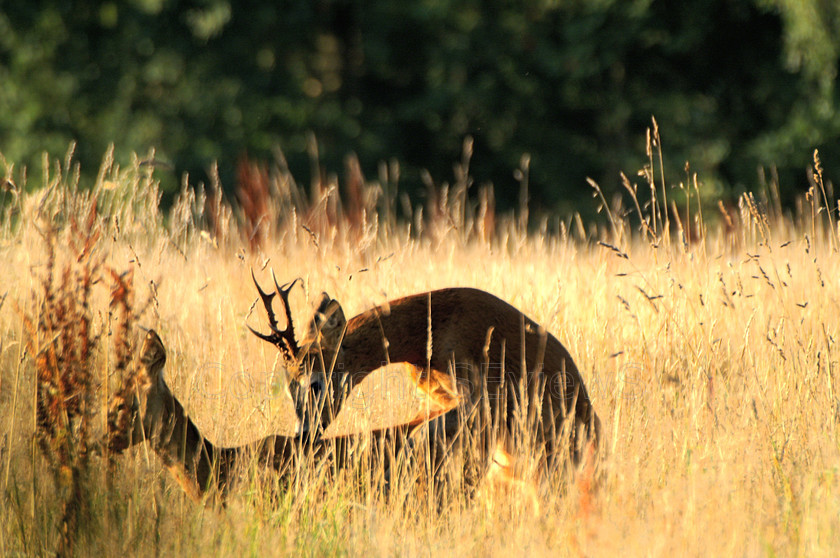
(217, 210)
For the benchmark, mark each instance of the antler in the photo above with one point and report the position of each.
(283, 339)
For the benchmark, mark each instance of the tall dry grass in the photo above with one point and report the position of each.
(708, 342)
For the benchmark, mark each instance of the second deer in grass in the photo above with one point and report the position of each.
(145, 410)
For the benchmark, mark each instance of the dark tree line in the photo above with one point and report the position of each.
(735, 85)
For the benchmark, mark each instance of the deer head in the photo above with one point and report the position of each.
(313, 367)
(143, 406)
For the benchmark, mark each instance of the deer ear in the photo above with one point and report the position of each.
(328, 322)
(333, 324)
(323, 304)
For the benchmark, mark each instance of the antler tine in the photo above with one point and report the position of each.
(284, 339)
(266, 298)
(284, 295)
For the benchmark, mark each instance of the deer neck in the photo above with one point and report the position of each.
(193, 460)
(196, 463)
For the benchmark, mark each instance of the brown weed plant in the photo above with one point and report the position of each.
(62, 340)
(119, 427)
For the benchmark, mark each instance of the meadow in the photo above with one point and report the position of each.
(708, 340)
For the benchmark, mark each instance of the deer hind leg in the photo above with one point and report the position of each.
(572, 432)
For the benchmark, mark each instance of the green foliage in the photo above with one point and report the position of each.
(736, 85)
(811, 51)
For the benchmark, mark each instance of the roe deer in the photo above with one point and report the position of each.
(462, 343)
(146, 410)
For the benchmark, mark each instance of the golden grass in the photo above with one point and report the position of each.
(712, 364)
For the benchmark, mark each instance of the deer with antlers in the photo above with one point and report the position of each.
(470, 354)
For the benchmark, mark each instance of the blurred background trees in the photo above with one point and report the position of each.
(737, 87)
